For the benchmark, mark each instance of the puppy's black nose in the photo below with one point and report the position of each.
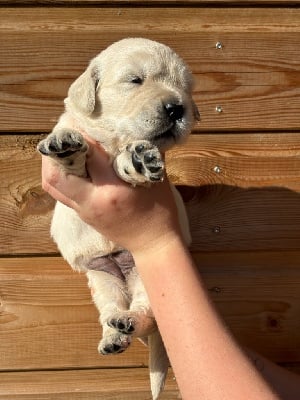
(174, 111)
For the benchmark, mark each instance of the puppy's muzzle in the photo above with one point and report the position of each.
(174, 111)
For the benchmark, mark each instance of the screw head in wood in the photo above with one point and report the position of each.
(219, 45)
(217, 169)
(219, 109)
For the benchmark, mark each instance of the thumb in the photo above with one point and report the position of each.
(100, 168)
(66, 188)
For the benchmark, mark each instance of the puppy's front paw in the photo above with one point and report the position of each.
(62, 144)
(139, 163)
(147, 160)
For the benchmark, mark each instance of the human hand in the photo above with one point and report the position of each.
(136, 218)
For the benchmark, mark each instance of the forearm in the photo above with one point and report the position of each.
(206, 361)
(285, 383)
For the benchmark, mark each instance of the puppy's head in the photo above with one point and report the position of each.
(135, 89)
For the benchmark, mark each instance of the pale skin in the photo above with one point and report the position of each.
(207, 362)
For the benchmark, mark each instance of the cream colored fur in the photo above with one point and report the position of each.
(135, 99)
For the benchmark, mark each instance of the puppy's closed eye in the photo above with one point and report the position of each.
(137, 80)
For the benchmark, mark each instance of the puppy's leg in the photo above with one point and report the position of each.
(138, 320)
(111, 298)
(66, 147)
(140, 163)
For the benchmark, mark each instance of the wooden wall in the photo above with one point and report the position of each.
(239, 175)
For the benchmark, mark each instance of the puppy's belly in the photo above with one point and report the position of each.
(119, 264)
(78, 242)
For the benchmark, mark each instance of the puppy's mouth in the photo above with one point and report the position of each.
(165, 136)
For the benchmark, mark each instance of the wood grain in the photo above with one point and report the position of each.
(25, 210)
(98, 384)
(228, 218)
(238, 174)
(257, 295)
(254, 77)
(162, 3)
(246, 194)
(251, 202)
(240, 160)
(194, 19)
(154, 3)
(47, 320)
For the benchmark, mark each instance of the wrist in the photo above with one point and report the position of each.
(163, 246)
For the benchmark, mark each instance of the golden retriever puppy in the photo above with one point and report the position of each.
(135, 98)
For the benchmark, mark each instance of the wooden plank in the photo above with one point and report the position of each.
(246, 194)
(242, 160)
(263, 100)
(230, 218)
(211, 3)
(212, 19)
(47, 319)
(243, 194)
(24, 208)
(99, 384)
(258, 296)
(254, 77)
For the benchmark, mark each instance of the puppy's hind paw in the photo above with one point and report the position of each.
(123, 324)
(114, 344)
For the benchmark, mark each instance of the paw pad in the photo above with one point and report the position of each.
(124, 325)
(114, 344)
(147, 160)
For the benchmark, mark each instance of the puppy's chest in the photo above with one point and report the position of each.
(118, 264)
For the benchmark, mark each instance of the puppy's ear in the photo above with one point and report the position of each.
(82, 92)
(196, 112)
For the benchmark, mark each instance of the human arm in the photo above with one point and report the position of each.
(206, 360)
(285, 383)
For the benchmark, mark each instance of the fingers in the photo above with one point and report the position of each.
(98, 164)
(100, 170)
(98, 160)
(68, 189)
